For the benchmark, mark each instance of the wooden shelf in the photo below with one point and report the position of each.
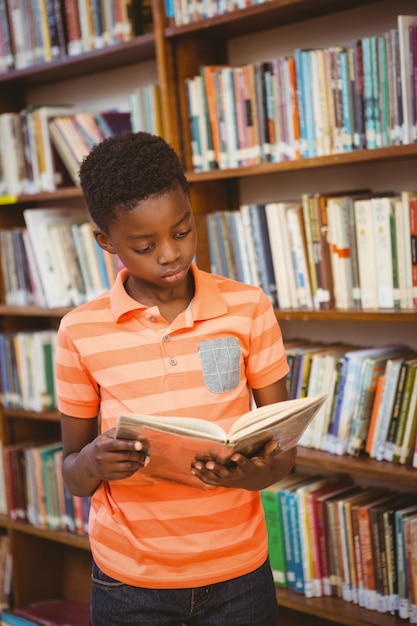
(345, 158)
(358, 466)
(408, 151)
(45, 416)
(382, 315)
(66, 538)
(32, 311)
(260, 17)
(136, 50)
(335, 609)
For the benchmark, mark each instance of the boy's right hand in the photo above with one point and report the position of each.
(114, 459)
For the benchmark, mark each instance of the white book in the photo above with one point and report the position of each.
(281, 255)
(207, 153)
(341, 254)
(50, 176)
(391, 375)
(401, 254)
(406, 245)
(86, 230)
(294, 218)
(382, 209)
(366, 253)
(11, 154)
(232, 144)
(409, 128)
(176, 441)
(38, 223)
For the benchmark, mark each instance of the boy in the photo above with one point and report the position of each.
(166, 339)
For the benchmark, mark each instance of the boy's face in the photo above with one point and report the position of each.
(156, 241)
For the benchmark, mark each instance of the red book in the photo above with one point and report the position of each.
(57, 612)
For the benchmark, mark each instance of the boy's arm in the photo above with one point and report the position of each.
(90, 457)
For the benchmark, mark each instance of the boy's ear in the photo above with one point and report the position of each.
(103, 240)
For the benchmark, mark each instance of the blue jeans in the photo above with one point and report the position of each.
(244, 601)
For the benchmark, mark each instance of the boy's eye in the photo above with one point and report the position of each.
(145, 250)
(183, 234)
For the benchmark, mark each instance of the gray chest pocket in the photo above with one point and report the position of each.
(220, 360)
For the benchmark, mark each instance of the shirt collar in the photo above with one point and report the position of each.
(208, 301)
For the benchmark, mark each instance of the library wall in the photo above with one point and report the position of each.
(104, 90)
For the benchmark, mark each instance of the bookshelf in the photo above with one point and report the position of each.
(57, 564)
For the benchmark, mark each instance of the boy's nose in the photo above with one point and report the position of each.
(168, 253)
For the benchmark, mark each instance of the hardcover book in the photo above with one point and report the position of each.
(177, 441)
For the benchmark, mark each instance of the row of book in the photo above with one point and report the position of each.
(313, 103)
(54, 261)
(41, 31)
(27, 370)
(371, 393)
(181, 12)
(322, 252)
(36, 493)
(371, 403)
(35, 154)
(42, 147)
(329, 537)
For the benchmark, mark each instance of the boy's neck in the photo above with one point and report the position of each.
(170, 302)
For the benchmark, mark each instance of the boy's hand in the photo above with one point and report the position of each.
(252, 474)
(113, 459)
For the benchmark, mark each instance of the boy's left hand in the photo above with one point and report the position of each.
(252, 474)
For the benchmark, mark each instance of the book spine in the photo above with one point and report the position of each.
(273, 518)
(395, 415)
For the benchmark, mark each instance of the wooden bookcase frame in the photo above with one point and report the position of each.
(57, 564)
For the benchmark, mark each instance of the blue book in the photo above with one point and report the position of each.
(377, 109)
(346, 103)
(292, 544)
(357, 95)
(370, 130)
(308, 102)
(301, 102)
(263, 251)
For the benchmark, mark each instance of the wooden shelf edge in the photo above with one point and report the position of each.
(66, 538)
(32, 311)
(345, 158)
(389, 316)
(381, 315)
(358, 466)
(48, 416)
(137, 49)
(335, 610)
(265, 15)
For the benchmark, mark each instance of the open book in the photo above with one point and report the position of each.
(177, 441)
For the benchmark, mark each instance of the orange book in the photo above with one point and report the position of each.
(252, 122)
(294, 106)
(209, 75)
(374, 414)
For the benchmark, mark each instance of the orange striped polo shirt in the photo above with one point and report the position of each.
(116, 355)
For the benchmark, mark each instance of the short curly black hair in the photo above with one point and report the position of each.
(123, 170)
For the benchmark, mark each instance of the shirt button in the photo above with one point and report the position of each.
(167, 338)
(153, 318)
(172, 361)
